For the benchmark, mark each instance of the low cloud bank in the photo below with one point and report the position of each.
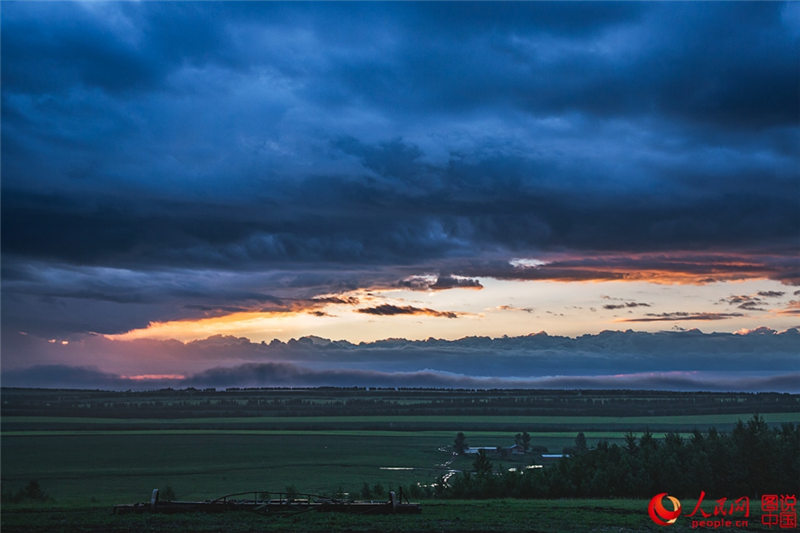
(283, 374)
(748, 352)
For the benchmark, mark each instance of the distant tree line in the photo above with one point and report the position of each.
(750, 460)
(324, 401)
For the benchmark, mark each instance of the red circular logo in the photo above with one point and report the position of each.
(659, 514)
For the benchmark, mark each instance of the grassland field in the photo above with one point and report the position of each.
(87, 464)
(398, 422)
(114, 468)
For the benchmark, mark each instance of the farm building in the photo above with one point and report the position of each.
(515, 449)
(476, 449)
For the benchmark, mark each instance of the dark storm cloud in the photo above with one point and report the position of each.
(449, 282)
(333, 143)
(514, 308)
(73, 377)
(347, 300)
(686, 267)
(389, 310)
(626, 305)
(423, 283)
(751, 306)
(737, 299)
(771, 294)
(57, 300)
(744, 301)
(682, 315)
(752, 302)
(609, 60)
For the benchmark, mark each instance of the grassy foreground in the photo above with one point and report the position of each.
(561, 516)
(90, 450)
(85, 468)
(109, 469)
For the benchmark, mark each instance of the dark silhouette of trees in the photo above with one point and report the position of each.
(524, 440)
(751, 460)
(580, 444)
(323, 401)
(482, 464)
(32, 492)
(460, 444)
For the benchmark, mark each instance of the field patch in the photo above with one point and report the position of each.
(12, 425)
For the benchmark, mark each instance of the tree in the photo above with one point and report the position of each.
(580, 444)
(524, 440)
(630, 442)
(482, 464)
(460, 444)
(32, 491)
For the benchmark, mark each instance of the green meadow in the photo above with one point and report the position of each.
(86, 464)
(394, 422)
(110, 467)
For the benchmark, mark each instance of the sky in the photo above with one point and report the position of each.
(474, 194)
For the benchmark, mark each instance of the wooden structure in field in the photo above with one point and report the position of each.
(264, 502)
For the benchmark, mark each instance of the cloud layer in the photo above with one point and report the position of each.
(290, 375)
(532, 356)
(389, 310)
(177, 161)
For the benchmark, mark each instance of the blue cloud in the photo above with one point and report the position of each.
(329, 139)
